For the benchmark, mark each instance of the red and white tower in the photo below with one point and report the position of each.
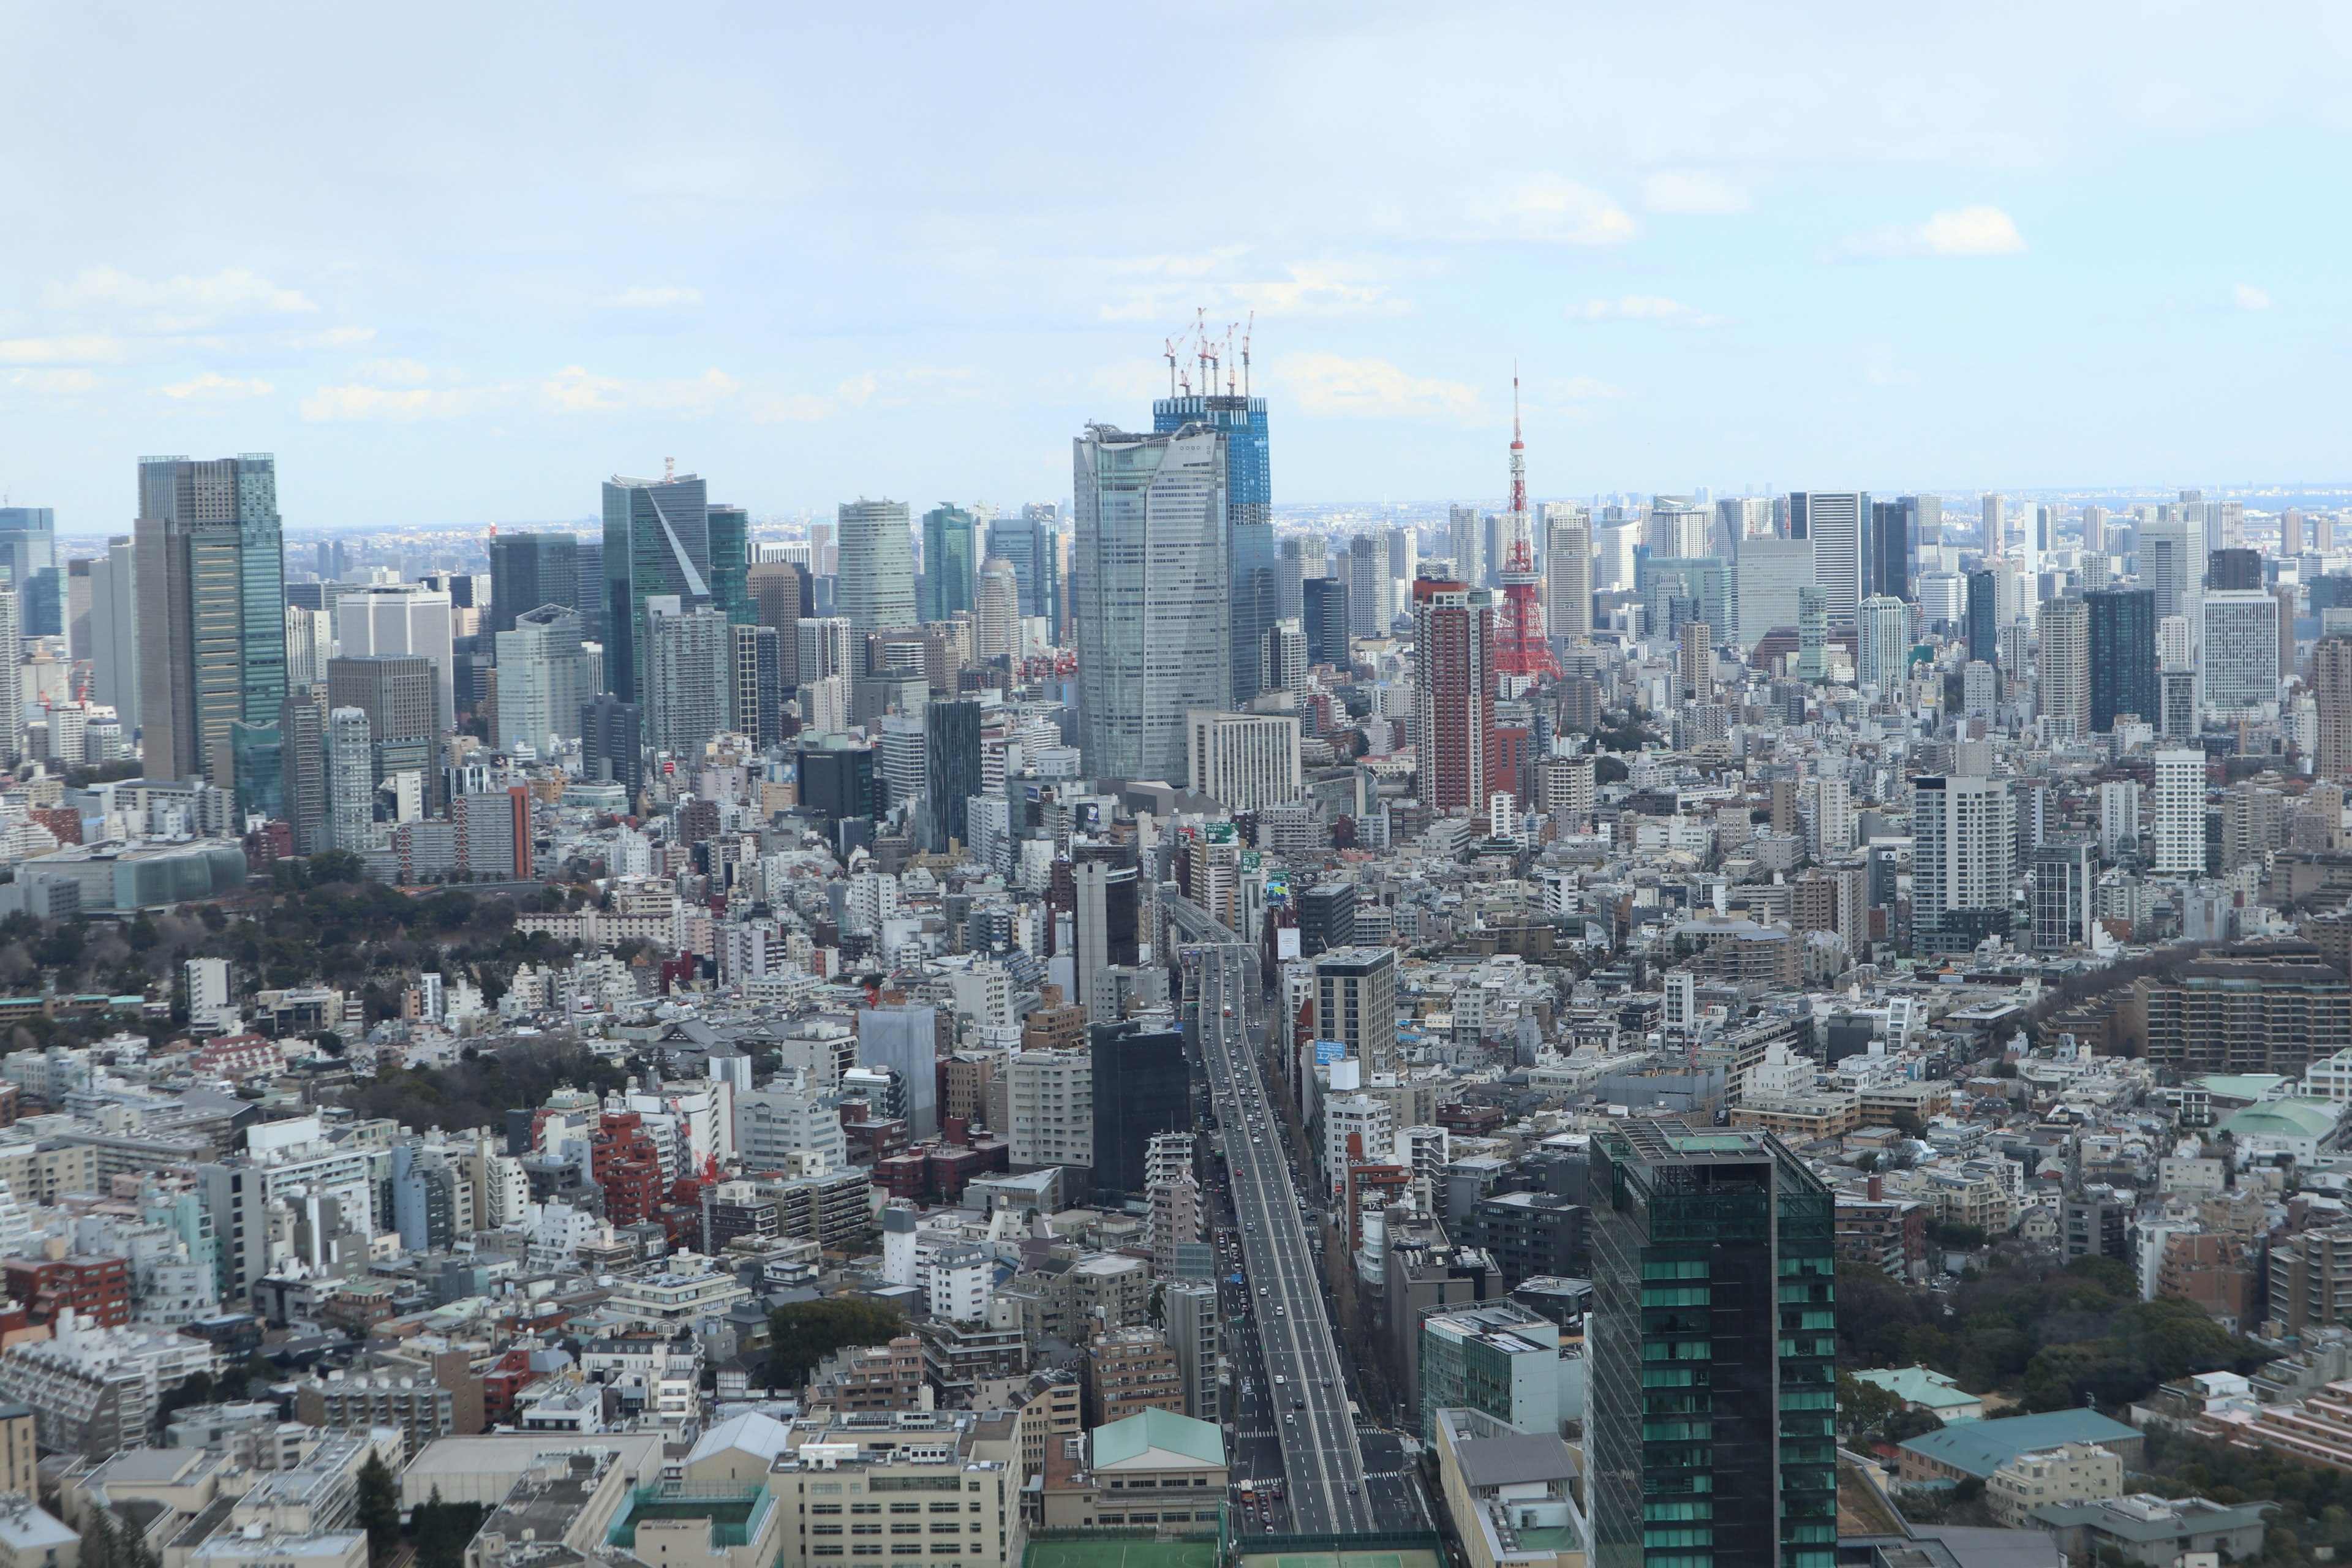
(1520, 648)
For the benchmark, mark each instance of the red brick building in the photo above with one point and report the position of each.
(97, 1289)
(623, 1161)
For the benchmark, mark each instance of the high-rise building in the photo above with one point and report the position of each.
(351, 781)
(996, 629)
(1465, 537)
(2065, 892)
(1695, 663)
(1245, 760)
(2176, 814)
(1254, 598)
(2331, 690)
(1891, 546)
(1964, 832)
(1151, 600)
(656, 542)
(612, 743)
(12, 654)
(1767, 575)
(1712, 1431)
(759, 684)
(2234, 570)
(775, 589)
(1568, 572)
(2122, 655)
(528, 570)
(541, 680)
(589, 597)
(1031, 543)
(1884, 643)
(1454, 692)
(406, 618)
(114, 632)
(210, 575)
(689, 669)
(1371, 592)
(2173, 557)
(1993, 535)
(950, 565)
(1984, 621)
(729, 529)
(2239, 652)
(1813, 633)
(1837, 522)
(1301, 559)
(28, 553)
(951, 763)
(395, 692)
(1141, 1085)
(1355, 1003)
(1106, 901)
(302, 723)
(1326, 622)
(1284, 658)
(2095, 529)
(2064, 669)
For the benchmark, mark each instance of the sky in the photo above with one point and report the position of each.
(457, 264)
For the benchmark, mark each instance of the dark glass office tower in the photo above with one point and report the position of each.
(2233, 571)
(1890, 551)
(1325, 619)
(1984, 617)
(528, 570)
(1142, 1085)
(612, 744)
(1033, 545)
(1249, 513)
(731, 562)
(588, 598)
(950, 564)
(656, 541)
(2122, 655)
(951, 764)
(1713, 1438)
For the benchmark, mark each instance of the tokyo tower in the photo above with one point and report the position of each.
(1519, 644)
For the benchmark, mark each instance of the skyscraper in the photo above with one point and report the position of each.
(2331, 690)
(1766, 577)
(1454, 692)
(528, 570)
(395, 692)
(2234, 570)
(730, 528)
(775, 589)
(541, 684)
(689, 671)
(996, 628)
(1994, 537)
(1891, 524)
(351, 781)
(1151, 600)
(1142, 1087)
(656, 541)
(210, 576)
(1568, 572)
(12, 654)
(2177, 813)
(1031, 543)
(1713, 1431)
(302, 723)
(1371, 592)
(114, 632)
(28, 551)
(384, 619)
(1249, 519)
(949, 563)
(1325, 622)
(1984, 619)
(2240, 652)
(951, 765)
(1466, 538)
(875, 587)
(1964, 832)
(759, 684)
(2063, 670)
(1301, 559)
(1837, 522)
(2122, 655)
(2173, 557)
(612, 743)
(1884, 643)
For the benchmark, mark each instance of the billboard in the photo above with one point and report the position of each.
(1330, 1051)
(1285, 943)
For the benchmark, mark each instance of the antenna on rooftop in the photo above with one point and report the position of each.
(669, 470)
(1247, 334)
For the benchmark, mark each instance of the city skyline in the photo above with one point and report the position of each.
(1968, 277)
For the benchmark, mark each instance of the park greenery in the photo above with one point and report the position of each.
(803, 1333)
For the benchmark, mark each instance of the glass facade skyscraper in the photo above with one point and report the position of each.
(1031, 543)
(949, 563)
(29, 550)
(1712, 1433)
(1249, 515)
(2122, 655)
(656, 541)
(730, 564)
(874, 588)
(528, 569)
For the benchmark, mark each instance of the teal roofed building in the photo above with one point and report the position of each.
(2295, 1126)
(1919, 1388)
(1978, 1449)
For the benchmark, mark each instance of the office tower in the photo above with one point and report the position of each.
(2178, 813)
(1767, 575)
(383, 620)
(690, 668)
(1454, 692)
(588, 598)
(540, 687)
(825, 649)
(28, 553)
(1994, 535)
(2239, 652)
(1568, 572)
(2288, 594)
(1695, 663)
(528, 570)
(1032, 542)
(2234, 570)
(996, 630)
(1355, 1003)
(1465, 542)
(2176, 703)
(951, 764)
(1836, 522)
(949, 563)
(1884, 643)
(351, 781)
(824, 552)
(2172, 558)
(303, 789)
(1151, 600)
(1254, 601)
(1712, 1435)
(210, 579)
(612, 743)
(1371, 592)
(2323, 532)
(1106, 898)
(2291, 531)
(1891, 544)
(396, 694)
(775, 590)
(2065, 670)
(1680, 527)
(1614, 555)
(2122, 655)
(1142, 1087)
(2041, 536)
(656, 542)
(1985, 619)
(1924, 533)
(1298, 559)
(12, 655)
(1964, 831)
(757, 686)
(1247, 761)
(730, 532)
(2331, 690)
(1813, 633)
(1325, 621)
(1405, 551)
(2095, 529)
(310, 643)
(2173, 642)
(78, 609)
(1285, 656)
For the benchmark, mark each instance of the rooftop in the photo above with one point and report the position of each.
(1980, 1448)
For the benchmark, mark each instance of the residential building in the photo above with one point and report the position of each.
(1130, 1371)
(1964, 833)
(1454, 692)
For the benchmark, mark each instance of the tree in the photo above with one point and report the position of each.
(441, 1530)
(379, 1510)
(803, 1333)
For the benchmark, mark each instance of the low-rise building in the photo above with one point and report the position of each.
(1512, 1494)
(2071, 1472)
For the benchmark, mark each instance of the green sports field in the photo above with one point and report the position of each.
(1122, 1554)
(1340, 1560)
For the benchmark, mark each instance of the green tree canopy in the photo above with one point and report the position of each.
(803, 1333)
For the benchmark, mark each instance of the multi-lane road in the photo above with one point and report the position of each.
(1322, 1463)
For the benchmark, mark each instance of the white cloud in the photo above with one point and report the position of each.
(181, 304)
(1691, 191)
(1326, 383)
(648, 298)
(51, 382)
(65, 348)
(213, 387)
(2249, 297)
(1548, 207)
(404, 401)
(1313, 288)
(1963, 231)
(1644, 308)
